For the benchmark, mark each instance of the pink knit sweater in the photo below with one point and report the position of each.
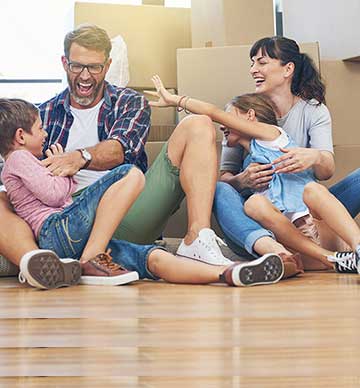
(33, 190)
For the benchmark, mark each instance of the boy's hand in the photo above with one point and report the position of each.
(54, 149)
(165, 98)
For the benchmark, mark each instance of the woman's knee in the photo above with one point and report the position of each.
(199, 126)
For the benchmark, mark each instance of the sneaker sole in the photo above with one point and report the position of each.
(268, 269)
(45, 270)
(110, 280)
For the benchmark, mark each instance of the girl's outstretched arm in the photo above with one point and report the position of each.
(251, 129)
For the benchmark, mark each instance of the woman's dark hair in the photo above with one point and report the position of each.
(259, 103)
(306, 82)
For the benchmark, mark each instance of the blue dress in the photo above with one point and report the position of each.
(285, 191)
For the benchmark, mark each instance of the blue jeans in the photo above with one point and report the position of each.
(241, 232)
(67, 232)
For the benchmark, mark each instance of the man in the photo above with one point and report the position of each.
(100, 127)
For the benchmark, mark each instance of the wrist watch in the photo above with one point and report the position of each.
(85, 154)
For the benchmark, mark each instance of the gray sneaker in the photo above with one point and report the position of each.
(42, 268)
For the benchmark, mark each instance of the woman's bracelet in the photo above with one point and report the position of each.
(178, 106)
(185, 102)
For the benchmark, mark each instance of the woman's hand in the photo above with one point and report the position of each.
(165, 98)
(296, 159)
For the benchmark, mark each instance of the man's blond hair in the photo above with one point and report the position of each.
(89, 36)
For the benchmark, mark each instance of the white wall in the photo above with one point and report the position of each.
(333, 23)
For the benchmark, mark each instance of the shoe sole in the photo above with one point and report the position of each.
(44, 269)
(268, 269)
(110, 280)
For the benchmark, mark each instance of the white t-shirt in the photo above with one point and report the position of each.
(84, 133)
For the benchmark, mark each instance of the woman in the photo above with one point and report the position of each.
(290, 79)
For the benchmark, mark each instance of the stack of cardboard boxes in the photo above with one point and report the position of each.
(204, 53)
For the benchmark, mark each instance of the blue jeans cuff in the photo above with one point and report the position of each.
(148, 273)
(253, 237)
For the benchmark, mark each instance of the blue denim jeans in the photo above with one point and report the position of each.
(241, 232)
(67, 232)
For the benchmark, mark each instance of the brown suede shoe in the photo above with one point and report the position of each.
(101, 270)
(293, 265)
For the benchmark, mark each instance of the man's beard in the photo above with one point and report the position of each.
(83, 101)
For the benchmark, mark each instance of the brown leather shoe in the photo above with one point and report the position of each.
(101, 270)
(293, 265)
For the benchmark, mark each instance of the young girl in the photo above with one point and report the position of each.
(251, 122)
(82, 229)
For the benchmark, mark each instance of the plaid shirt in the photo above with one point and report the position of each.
(123, 116)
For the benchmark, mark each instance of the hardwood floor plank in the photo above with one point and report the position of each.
(180, 382)
(186, 333)
(141, 361)
(313, 295)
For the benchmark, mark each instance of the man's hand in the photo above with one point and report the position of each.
(62, 164)
(296, 159)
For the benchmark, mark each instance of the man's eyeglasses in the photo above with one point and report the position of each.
(77, 68)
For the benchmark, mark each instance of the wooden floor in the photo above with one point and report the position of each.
(302, 332)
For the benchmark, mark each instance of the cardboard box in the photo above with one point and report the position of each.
(347, 159)
(160, 132)
(231, 22)
(343, 96)
(152, 35)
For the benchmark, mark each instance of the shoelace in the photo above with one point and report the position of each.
(344, 261)
(220, 241)
(106, 260)
(214, 249)
(21, 278)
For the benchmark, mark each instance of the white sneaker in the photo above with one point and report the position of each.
(205, 248)
(42, 268)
